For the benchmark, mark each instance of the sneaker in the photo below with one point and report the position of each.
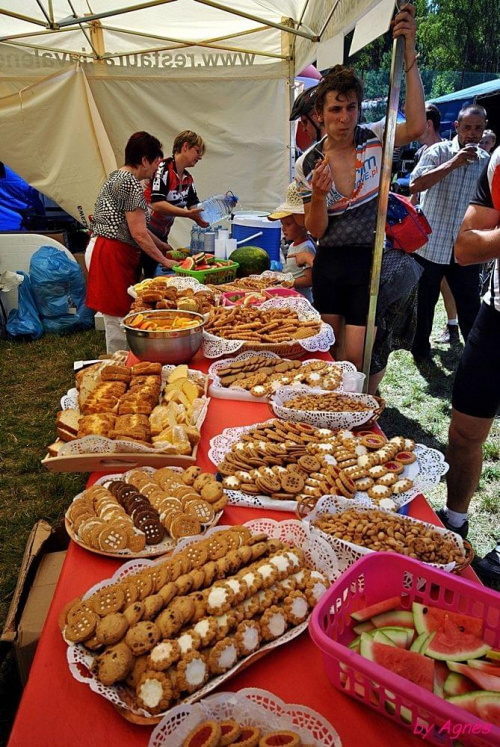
(463, 531)
(488, 569)
(444, 337)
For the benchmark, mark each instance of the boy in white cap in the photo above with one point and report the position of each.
(300, 255)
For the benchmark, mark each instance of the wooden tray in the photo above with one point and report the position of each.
(117, 462)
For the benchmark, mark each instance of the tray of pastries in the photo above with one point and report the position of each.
(121, 417)
(160, 633)
(282, 465)
(286, 326)
(254, 377)
(267, 279)
(249, 716)
(144, 512)
(163, 292)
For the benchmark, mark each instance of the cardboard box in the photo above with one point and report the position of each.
(40, 568)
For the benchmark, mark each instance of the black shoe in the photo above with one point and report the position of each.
(463, 531)
(488, 569)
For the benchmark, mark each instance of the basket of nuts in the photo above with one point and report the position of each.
(326, 409)
(354, 530)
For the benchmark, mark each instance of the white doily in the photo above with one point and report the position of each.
(181, 283)
(102, 445)
(163, 547)
(346, 552)
(249, 707)
(425, 472)
(215, 347)
(318, 555)
(224, 392)
(322, 418)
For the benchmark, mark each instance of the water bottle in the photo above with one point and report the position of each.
(217, 207)
(193, 245)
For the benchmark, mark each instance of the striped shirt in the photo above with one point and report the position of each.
(445, 203)
(488, 195)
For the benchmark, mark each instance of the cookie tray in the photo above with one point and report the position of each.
(319, 555)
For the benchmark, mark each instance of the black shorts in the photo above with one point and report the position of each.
(476, 390)
(340, 279)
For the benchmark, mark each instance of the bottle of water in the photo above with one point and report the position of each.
(217, 207)
(193, 246)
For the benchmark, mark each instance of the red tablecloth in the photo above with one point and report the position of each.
(58, 711)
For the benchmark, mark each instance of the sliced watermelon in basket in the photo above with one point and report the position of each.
(457, 684)
(375, 609)
(428, 619)
(483, 679)
(488, 708)
(393, 619)
(450, 643)
(413, 667)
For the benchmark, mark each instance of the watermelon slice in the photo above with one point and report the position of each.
(483, 679)
(397, 619)
(198, 258)
(413, 667)
(468, 701)
(441, 673)
(457, 684)
(450, 643)
(420, 643)
(379, 637)
(375, 609)
(363, 627)
(488, 708)
(494, 655)
(427, 619)
(188, 264)
(398, 636)
(485, 666)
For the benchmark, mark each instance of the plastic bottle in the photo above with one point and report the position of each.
(193, 246)
(217, 207)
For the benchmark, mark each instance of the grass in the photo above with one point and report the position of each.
(35, 375)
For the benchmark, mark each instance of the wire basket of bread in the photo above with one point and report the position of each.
(288, 327)
(326, 409)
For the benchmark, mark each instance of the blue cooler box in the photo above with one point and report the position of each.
(246, 225)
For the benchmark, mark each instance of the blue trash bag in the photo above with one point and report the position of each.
(58, 285)
(25, 320)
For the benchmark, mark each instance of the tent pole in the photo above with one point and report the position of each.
(383, 196)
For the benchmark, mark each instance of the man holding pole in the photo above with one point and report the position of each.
(340, 180)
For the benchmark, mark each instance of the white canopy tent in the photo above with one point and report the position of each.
(79, 76)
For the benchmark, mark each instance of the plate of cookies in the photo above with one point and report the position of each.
(251, 714)
(285, 326)
(254, 377)
(160, 633)
(325, 409)
(145, 512)
(282, 465)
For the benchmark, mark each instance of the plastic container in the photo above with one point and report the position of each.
(245, 225)
(213, 276)
(218, 207)
(380, 576)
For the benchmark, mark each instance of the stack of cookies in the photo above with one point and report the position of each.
(145, 508)
(164, 632)
(273, 325)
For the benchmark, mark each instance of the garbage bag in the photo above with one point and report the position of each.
(58, 287)
(25, 320)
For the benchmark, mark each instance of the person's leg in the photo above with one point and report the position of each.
(450, 331)
(428, 294)
(464, 454)
(464, 284)
(354, 339)
(116, 338)
(375, 380)
(336, 322)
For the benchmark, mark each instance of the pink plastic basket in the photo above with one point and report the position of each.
(380, 576)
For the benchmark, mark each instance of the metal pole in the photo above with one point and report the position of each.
(383, 196)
